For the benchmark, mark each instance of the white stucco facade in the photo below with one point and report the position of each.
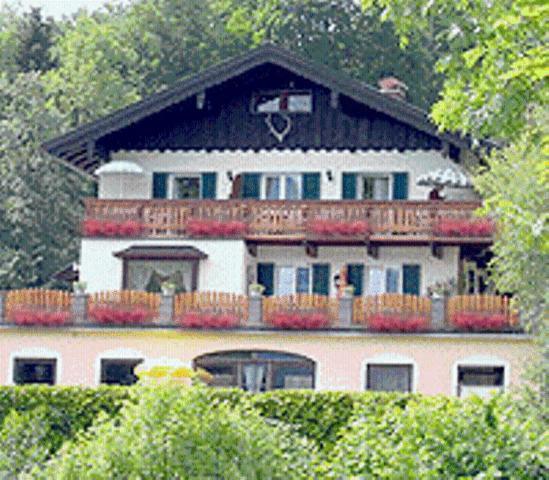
(223, 270)
(229, 267)
(286, 161)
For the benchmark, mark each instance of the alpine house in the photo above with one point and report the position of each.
(280, 226)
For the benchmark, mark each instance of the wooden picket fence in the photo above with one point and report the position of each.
(212, 302)
(38, 299)
(301, 303)
(126, 299)
(497, 304)
(390, 303)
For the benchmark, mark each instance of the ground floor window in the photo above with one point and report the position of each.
(34, 370)
(148, 275)
(389, 378)
(480, 380)
(258, 371)
(119, 371)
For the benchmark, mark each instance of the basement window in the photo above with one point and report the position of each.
(34, 370)
(119, 371)
(282, 101)
(480, 380)
(389, 378)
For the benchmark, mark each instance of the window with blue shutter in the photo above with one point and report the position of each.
(348, 186)
(209, 185)
(411, 279)
(251, 185)
(355, 277)
(302, 280)
(160, 185)
(400, 186)
(311, 186)
(321, 278)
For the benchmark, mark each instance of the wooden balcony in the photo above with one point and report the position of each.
(290, 222)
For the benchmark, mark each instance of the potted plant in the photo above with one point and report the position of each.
(348, 291)
(168, 288)
(79, 288)
(442, 289)
(256, 290)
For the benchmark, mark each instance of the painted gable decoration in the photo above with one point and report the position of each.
(268, 98)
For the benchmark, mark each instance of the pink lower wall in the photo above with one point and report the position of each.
(340, 357)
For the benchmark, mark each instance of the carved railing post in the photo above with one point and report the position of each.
(79, 308)
(255, 310)
(346, 303)
(166, 310)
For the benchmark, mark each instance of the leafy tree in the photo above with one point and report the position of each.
(40, 202)
(438, 437)
(182, 435)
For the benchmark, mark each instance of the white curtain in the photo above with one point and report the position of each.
(253, 377)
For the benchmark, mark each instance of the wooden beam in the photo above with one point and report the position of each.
(311, 250)
(252, 249)
(200, 100)
(334, 99)
(437, 250)
(372, 250)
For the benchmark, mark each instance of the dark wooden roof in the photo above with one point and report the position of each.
(161, 252)
(140, 125)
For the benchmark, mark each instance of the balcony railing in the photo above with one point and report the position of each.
(258, 220)
(215, 310)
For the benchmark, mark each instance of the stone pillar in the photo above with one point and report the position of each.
(166, 310)
(255, 310)
(438, 313)
(346, 311)
(79, 308)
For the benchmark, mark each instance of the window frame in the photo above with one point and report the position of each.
(390, 359)
(282, 185)
(291, 91)
(237, 365)
(103, 359)
(193, 261)
(359, 190)
(172, 177)
(384, 269)
(45, 360)
(480, 361)
(409, 368)
(277, 268)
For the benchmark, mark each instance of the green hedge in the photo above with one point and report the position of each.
(316, 415)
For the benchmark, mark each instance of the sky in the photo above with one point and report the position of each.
(58, 8)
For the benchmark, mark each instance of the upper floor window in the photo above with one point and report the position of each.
(283, 101)
(281, 187)
(185, 187)
(374, 186)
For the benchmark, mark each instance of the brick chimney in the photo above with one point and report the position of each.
(393, 87)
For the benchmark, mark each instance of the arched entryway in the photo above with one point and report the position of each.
(258, 370)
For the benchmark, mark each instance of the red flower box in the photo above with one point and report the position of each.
(107, 228)
(393, 322)
(120, 315)
(479, 321)
(207, 320)
(300, 321)
(214, 228)
(477, 227)
(336, 227)
(40, 317)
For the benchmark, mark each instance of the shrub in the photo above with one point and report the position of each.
(114, 315)
(438, 437)
(177, 433)
(393, 322)
(39, 317)
(459, 227)
(300, 320)
(207, 320)
(479, 321)
(24, 441)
